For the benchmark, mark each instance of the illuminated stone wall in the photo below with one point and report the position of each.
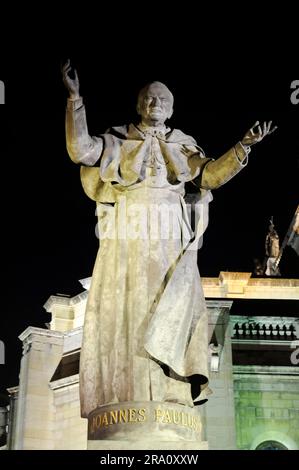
(266, 406)
(70, 428)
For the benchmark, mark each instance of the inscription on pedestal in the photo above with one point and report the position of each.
(138, 419)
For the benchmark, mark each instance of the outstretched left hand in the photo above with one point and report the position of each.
(257, 133)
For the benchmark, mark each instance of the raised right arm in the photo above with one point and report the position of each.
(82, 148)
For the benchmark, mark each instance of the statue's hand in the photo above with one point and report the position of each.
(257, 133)
(71, 84)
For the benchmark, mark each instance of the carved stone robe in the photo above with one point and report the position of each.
(146, 326)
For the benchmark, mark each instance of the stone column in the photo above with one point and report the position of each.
(12, 416)
(42, 350)
(219, 412)
(3, 424)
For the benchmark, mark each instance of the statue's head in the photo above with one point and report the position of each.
(155, 103)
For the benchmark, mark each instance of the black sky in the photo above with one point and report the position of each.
(48, 224)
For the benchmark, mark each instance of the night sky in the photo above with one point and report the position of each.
(48, 223)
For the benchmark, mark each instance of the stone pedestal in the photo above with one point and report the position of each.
(145, 425)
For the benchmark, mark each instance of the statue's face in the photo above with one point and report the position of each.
(156, 103)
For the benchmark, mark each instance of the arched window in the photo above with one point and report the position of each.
(271, 445)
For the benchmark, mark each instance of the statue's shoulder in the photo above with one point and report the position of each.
(125, 132)
(118, 131)
(187, 141)
(176, 135)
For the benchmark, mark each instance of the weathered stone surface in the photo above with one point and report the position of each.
(139, 420)
(149, 425)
